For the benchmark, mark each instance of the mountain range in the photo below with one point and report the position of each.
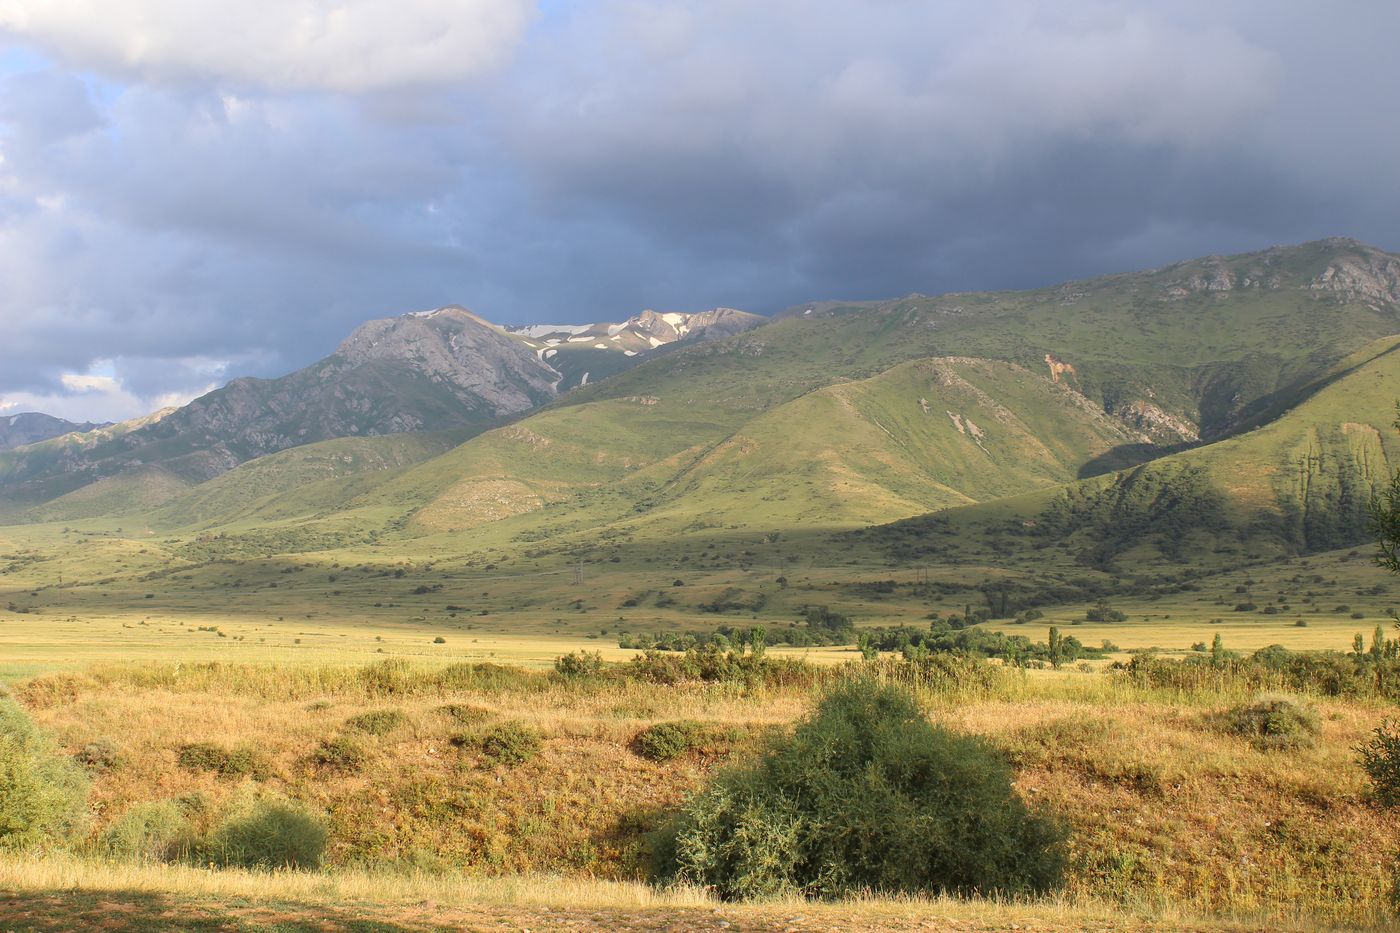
(30, 427)
(1238, 404)
(441, 370)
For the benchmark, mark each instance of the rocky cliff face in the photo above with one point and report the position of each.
(30, 427)
(715, 324)
(418, 372)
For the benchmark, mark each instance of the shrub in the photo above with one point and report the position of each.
(43, 795)
(579, 664)
(341, 753)
(225, 762)
(866, 795)
(98, 755)
(510, 743)
(465, 713)
(1380, 758)
(267, 833)
(158, 831)
(1274, 722)
(377, 721)
(667, 740)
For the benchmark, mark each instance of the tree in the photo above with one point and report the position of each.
(758, 640)
(1057, 647)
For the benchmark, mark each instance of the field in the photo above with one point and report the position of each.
(1173, 817)
(147, 646)
(144, 649)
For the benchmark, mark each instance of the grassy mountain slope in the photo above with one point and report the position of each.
(289, 482)
(923, 435)
(1297, 484)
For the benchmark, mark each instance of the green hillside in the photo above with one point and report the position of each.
(1298, 484)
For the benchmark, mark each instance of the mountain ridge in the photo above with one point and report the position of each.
(30, 427)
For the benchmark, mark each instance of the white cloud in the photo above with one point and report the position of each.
(99, 395)
(337, 45)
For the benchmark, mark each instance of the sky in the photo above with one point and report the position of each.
(194, 190)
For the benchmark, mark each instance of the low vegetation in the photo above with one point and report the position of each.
(1275, 723)
(507, 771)
(866, 795)
(43, 795)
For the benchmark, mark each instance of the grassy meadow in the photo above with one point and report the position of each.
(147, 646)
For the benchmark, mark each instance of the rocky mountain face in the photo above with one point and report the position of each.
(646, 331)
(30, 427)
(418, 372)
(423, 371)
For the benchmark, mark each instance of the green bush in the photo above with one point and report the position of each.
(866, 795)
(378, 721)
(1380, 758)
(510, 743)
(158, 831)
(225, 762)
(667, 740)
(341, 753)
(1272, 722)
(43, 795)
(267, 833)
(579, 664)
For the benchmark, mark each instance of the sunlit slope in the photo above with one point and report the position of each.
(924, 435)
(298, 482)
(1295, 485)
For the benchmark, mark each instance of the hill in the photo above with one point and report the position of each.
(1296, 485)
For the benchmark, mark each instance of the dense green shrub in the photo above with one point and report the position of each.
(378, 721)
(242, 761)
(1380, 757)
(1274, 723)
(667, 740)
(510, 743)
(43, 795)
(866, 795)
(158, 831)
(268, 833)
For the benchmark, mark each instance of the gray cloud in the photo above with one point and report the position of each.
(202, 208)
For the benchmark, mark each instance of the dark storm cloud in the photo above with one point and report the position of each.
(229, 201)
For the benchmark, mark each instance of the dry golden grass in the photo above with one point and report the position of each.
(1166, 808)
(441, 901)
